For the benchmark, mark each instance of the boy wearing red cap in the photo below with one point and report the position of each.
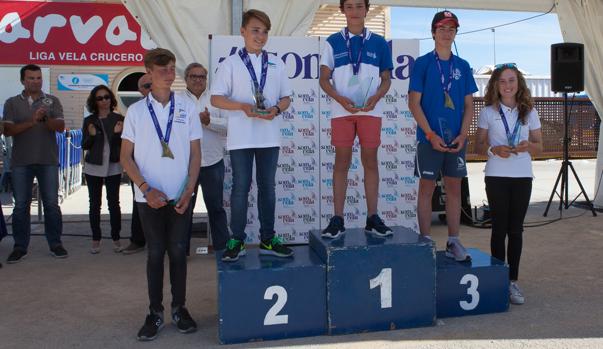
(441, 101)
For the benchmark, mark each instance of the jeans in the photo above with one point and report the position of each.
(95, 190)
(211, 179)
(165, 231)
(137, 235)
(508, 199)
(48, 182)
(266, 160)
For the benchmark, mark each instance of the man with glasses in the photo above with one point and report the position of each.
(211, 174)
(137, 240)
(33, 118)
(441, 101)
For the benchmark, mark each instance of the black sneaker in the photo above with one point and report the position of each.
(275, 247)
(335, 228)
(58, 252)
(234, 249)
(152, 325)
(184, 321)
(376, 226)
(16, 256)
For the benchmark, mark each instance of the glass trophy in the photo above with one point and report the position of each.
(513, 139)
(446, 132)
(259, 101)
(360, 95)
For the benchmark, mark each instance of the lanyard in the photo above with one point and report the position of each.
(247, 61)
(168, 129)
(510, 137)
(355, 66)
(445, 87)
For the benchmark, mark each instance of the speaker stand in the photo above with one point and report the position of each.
(563, 172)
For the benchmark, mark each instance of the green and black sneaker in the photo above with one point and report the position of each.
(234, 249)
(275, 247)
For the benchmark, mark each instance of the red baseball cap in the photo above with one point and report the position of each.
(444, 17)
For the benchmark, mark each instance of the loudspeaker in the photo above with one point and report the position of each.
(567, 67)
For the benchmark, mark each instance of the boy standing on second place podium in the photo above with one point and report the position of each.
(355, 72)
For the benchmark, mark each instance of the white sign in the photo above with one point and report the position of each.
(81, 82)
(304, 192)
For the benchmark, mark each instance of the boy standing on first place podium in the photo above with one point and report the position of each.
(441, 101)
(355, 72)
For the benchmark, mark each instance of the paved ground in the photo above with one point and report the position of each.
(99, 301)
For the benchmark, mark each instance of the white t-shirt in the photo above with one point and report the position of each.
(214, 134)
(162, 173)
(516, 166)
(232, 80)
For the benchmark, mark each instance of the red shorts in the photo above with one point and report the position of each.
(344, 130)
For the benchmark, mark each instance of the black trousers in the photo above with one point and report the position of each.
(508, 199)
(137, 235)
(166, 231)
(95, 190)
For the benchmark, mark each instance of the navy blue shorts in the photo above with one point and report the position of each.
(429, 162)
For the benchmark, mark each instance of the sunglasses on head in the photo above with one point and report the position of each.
(105, 97)
(505, 65)
(147, 86)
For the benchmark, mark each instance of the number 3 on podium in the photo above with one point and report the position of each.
(473, 282)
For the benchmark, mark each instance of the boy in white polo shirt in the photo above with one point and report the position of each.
(253, 89)
(161, 153)
(355, 71)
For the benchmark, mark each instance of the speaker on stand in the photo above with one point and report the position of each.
(567, 75)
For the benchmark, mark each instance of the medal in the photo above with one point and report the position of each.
(512, 138)
(166, 152)
(448, 103)
(258, 88)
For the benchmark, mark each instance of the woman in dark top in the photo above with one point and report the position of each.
(102, 142)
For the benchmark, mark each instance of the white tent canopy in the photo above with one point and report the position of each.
(184, 26)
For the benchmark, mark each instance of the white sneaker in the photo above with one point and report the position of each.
(457, 251)
(515, 295)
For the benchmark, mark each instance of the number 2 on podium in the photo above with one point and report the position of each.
(383, 280)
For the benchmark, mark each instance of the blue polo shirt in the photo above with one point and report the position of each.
(376, 58)
(425, 78)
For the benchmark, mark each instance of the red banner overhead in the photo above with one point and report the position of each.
(70, 34)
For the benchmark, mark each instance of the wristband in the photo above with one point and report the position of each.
(278, 110)
(429, 134)
(144, 193)
(141, 184)
(490, 152)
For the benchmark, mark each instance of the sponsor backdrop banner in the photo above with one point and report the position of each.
(304, 185)
(74, 33)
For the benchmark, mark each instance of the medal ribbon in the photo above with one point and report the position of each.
(510, 137)
(247, 61)
(444, 87)
(355, 66)
(168, 129)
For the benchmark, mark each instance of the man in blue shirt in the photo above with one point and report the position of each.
(441, 101)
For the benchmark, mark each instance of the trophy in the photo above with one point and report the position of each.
(360, 96)
(446, 132)
(259, 100)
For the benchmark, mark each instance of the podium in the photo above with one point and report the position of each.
(266, 297)
(376, 283)
(356, 283)
(478, 286)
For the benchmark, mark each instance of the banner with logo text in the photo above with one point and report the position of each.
(304, 184)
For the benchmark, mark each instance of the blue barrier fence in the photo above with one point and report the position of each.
(70, 162)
